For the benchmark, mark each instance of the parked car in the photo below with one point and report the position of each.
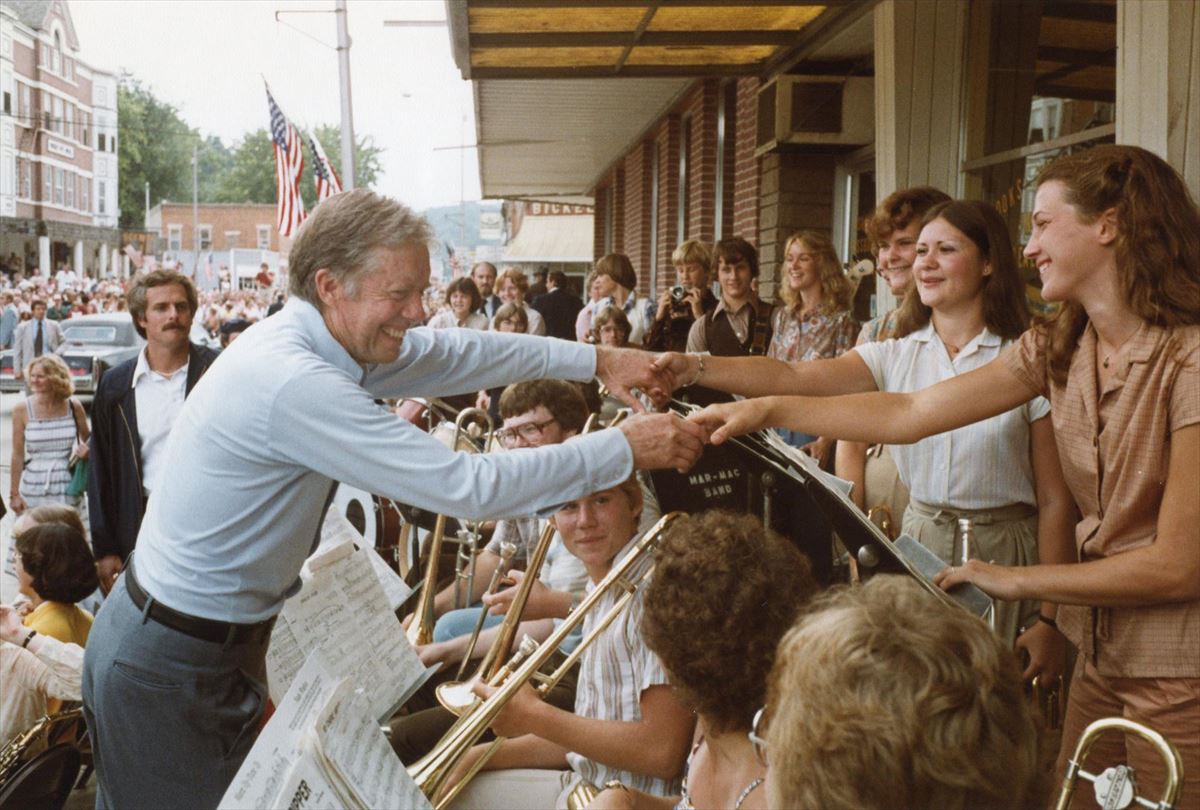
(92, 344)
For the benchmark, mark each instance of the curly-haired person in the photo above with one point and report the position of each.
(724, 591)
(884, 697)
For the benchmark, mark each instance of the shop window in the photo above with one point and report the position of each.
(1043, 79)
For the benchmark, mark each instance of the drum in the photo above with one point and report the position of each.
(380, 522)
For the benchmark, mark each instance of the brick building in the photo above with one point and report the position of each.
(756, 118)
(230, 241)
(58, 144)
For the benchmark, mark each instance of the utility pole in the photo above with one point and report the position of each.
(195, 204)
(343, 51)
(147, 208)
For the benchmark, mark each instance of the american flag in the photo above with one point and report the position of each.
(289, 163)
(324, 175)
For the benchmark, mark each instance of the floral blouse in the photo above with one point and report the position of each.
(818, 335)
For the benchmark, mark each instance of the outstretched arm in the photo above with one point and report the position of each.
(764, 376)
(876, 417)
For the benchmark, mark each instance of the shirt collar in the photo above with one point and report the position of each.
(984, 338)
(308, 318)
(722, 307)
(143, 367)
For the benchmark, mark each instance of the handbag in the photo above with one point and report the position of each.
(78, 466)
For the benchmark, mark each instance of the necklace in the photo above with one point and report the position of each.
(1108, 357)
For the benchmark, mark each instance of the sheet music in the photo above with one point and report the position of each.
(266, 768)
(342, 611)
(337, 530)
(351, 742)
(307, 788)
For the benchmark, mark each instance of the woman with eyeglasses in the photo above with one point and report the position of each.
(724, 591)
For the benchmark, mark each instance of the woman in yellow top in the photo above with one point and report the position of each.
(55, 569)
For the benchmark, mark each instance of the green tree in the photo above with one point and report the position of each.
(250, 176)
(155, 147)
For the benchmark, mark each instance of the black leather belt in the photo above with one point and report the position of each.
(226, 633)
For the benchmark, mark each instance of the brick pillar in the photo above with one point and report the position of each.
(796, 194)
(746, 175)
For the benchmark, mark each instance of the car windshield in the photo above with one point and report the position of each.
(90, 334)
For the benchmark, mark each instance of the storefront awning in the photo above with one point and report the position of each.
(552, 239)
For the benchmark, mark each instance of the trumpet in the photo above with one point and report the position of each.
(432, 771)
(1116, 787)
(421, 629)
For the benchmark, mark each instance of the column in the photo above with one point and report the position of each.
(919, 70)
(1158, 81)
(44, 255)
(77, 258)
(102, 265)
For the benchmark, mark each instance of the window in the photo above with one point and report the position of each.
(84, 120)
(100, 141)
(57, 125)
(69, 69)
(23, 105)
(102, 198)
(58, 186)
(27, 179)
(46, 105)
(7, 102)
(70, 130)
(112, 143)
(206, 237)
(47, 183)
(45, 55)
(263, 239)
(83, 194)
(174, 235)
(70, 182)
(56, 54)
(685, 147)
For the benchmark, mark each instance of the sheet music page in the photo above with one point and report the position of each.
(266, 769)
(307, 787)
(350, 741)
(336, 530)
(838, 486)
(341, 610)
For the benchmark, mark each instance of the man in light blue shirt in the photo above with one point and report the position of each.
(174, 678)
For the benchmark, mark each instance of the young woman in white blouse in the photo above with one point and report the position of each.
(1003, 473)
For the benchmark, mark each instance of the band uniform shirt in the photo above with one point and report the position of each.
(287, 412)
(614, 671)
(54, 671)
(158, 399)
(1117, 475)
(985, 465)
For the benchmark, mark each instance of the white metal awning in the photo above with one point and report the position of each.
(552, 239)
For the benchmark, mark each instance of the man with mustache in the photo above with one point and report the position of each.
(135, 408)
(174, 684)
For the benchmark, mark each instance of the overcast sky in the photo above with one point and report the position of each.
(209, 57)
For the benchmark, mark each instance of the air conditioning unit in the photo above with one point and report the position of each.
(828, 110)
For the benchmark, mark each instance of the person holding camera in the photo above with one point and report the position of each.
(691, 298)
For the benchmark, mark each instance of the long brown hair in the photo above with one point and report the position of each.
(836, 291)
(1004, 309)
(1157, 245)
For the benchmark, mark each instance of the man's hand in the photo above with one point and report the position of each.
(497, 603)
(663, 441)
(624, 369)
(677, 368)
(107, 569)
(726, 420)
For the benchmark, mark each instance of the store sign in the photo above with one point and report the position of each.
(59, 148)
(541, 209)
(491, 226)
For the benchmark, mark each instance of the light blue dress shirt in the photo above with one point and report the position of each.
(285, 412)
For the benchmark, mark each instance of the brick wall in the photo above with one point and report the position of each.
(224, 218)
(796, 193)
(702, 162)
(600, 220)
(638, 192)
(746, 175)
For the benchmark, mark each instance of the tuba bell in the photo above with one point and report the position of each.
(1116, 787)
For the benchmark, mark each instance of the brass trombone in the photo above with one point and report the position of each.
(1116, 787)
(508, 551)
(433, 770)
(421, 629)
(456, 696)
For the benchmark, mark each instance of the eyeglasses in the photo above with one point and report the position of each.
(529, 431)
(759, 744)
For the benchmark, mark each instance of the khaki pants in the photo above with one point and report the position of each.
(1006, 536)
(1170, 706)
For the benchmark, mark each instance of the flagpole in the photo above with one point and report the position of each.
(343, 50)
